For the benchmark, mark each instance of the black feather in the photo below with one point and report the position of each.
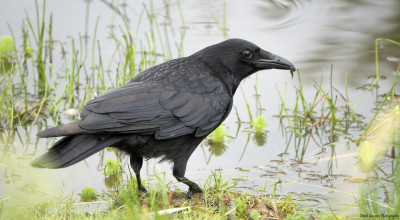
(165, 111)
(72, 149)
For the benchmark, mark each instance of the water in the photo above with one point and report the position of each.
(314, 35)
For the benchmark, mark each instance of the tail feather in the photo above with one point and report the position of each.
(72, 149)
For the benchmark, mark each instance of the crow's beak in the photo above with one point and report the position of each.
(272, 61)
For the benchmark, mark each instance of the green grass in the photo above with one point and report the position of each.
(330, 116)
(322, 115)
(255, 215)
(241, 207)
(30, 101)
(220, 200)
(83, 72)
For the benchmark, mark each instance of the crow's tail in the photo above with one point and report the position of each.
(72, 149)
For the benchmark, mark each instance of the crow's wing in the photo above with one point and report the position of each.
(176, 105)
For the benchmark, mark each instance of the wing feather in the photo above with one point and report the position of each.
(187, 105)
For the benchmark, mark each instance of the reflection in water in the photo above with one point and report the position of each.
(319, 140)
(217, 149)
(290, 13)
(333, 129)
(112, 181)
(260, 138)
(339, 32)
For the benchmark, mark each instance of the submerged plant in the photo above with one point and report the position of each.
(88, 194)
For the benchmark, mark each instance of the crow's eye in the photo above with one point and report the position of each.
(247, 54)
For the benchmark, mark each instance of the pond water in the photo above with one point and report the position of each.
(316, 36)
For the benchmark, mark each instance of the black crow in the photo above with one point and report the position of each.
(164, 112)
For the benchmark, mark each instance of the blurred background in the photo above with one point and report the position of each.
(67, 52)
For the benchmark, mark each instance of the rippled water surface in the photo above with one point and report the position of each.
(317, 36)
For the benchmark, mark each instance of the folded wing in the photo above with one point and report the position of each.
(148, 108)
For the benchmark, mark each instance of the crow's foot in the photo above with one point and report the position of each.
(193, 190)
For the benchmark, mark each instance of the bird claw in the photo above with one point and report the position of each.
(192, 191)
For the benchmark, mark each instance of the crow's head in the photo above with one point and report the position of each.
(235, 59)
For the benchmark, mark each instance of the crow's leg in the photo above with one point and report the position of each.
(136, 163)
(179, 174)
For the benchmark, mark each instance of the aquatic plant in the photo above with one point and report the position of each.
(259, 124)
(219, 135)
(7, 47)
(88, 194)
(112, 167)
(28, 51)
(7, 54)
(304, 117)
